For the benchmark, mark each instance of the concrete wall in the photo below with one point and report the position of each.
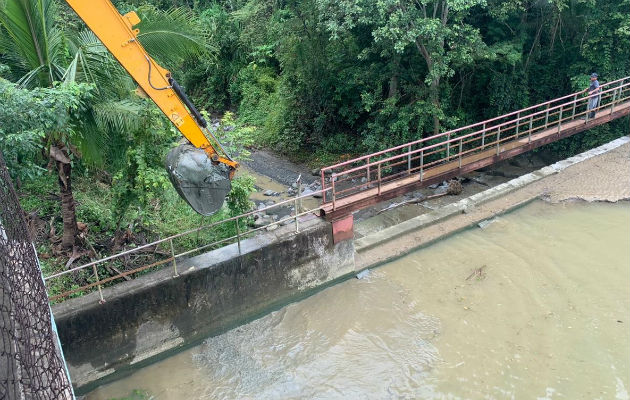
(157, 313)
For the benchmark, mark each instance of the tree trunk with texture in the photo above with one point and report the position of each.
(435, 99)
(68, 212)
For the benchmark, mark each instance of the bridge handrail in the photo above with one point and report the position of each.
(415, 142)
(295, 200)
(553, 118)
(467, 136)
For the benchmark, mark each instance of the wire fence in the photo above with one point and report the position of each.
(31, 364)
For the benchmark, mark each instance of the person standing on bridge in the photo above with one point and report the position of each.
(593, 95)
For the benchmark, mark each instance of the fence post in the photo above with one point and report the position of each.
(297, 204)
(560, 120)
(409, 160)
(518, 123)
(333, 177)
(460, 152)
(448, 147)
(574, 104)
(612, 105)
(323, 186)
(547, 116)
(173, 256)
(483, 136)
(368, 169)
(379, 179)
(238, 236)
(100, 290)
(531, 124)
(421, 164)
(498, 138)
(299, 191)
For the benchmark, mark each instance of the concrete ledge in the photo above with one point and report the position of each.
(155, 314)
(378, 238)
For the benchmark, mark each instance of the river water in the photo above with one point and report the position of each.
(534, 306)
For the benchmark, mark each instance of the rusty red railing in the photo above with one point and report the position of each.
(453, 148)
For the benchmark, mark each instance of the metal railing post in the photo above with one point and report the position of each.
(547, 116)
(448, 146)
(409, 160)
(498, 139)
(421, 164)
(100, 290)
(238, 236)
(612, 105)
(379, 179)
(368, 169)
(332, 182)
(173, 256)
(296, 205)
(460, 152)
(560, 120)
(574, 104)
(323, 186)
(518, 123)
(531, 124)
(483, 136)
(299, 191)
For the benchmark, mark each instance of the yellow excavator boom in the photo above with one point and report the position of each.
(117, 33)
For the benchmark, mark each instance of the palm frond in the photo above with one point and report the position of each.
(173, 35)
(92, 63)
(119, 115)
(33, 38)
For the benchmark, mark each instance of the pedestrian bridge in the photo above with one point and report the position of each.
(376, 177)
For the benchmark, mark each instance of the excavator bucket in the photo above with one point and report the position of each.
(201, 183)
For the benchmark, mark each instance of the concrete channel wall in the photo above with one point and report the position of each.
(157, 314)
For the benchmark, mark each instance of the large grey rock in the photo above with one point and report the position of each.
(264, 220)
(440, 190)
(202, 184)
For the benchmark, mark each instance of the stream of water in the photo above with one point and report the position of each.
(534, 306)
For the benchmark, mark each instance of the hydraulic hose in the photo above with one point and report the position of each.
(182, 96)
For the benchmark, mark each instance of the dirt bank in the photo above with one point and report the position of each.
(279, 169)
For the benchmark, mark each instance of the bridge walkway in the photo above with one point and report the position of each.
(370, 179)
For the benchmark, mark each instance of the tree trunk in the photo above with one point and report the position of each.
(68, 213)
(435, 99)
(393, 81)
(434, 88)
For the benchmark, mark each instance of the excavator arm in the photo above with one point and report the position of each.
(201, 173)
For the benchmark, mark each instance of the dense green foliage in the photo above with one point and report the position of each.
(347, 76)
(315, 79)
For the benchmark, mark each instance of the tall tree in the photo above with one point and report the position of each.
(437, 30)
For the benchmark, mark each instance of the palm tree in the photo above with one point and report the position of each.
(39, 53)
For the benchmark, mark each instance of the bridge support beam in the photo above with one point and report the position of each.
(343, 228)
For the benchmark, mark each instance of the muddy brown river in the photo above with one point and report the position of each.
(534, 306)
